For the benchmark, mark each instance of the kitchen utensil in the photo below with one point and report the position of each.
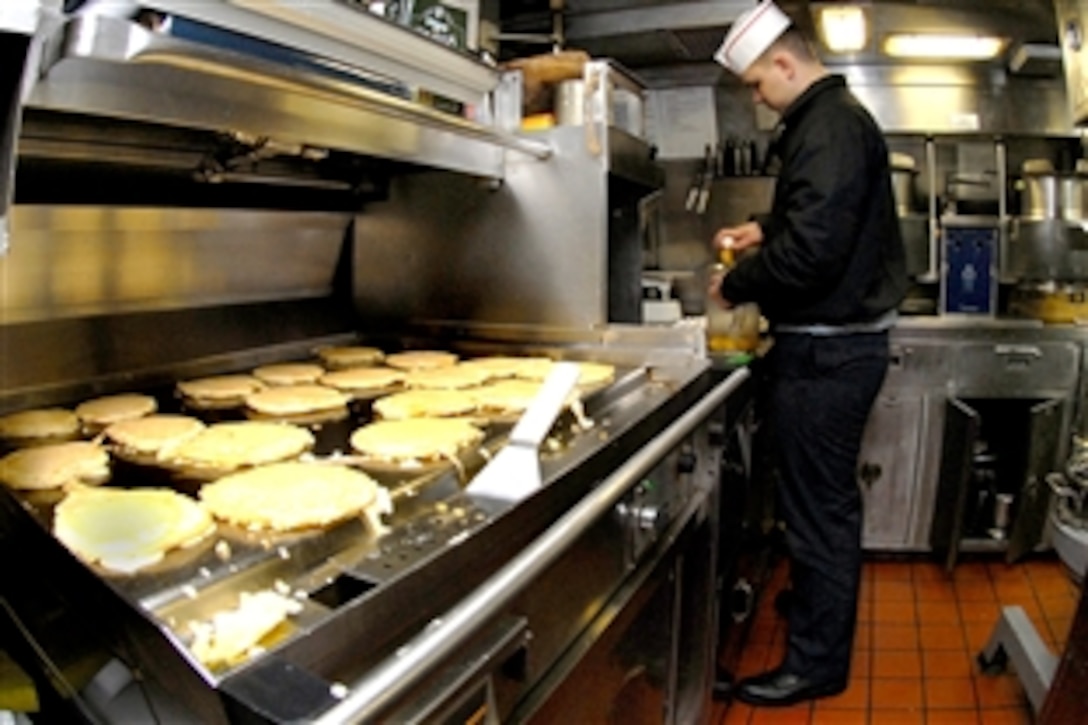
(1002, 510)
(514, 473)
(708, 179)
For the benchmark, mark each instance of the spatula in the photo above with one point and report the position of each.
(514, 473)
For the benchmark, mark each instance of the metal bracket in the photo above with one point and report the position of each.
(1015, 640)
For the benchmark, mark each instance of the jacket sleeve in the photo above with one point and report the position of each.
(808, 243)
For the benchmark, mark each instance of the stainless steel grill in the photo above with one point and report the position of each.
(190, 202)
(363, 592)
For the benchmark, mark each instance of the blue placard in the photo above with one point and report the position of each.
(970, 254)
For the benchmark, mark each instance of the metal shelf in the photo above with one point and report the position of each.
(105, 66)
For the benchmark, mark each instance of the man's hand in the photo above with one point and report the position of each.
(749, 234)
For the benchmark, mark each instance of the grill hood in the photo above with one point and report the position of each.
(217, 88)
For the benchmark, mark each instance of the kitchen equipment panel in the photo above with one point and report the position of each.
(1015, 368)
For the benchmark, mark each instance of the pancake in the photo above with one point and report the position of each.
(452, 377)
(339, 358)
(591, 374)
(506, 396)
(98, 413)
(289, 373)
(227, 447)
(44, 425)
(143, 440)
(127, 530)
(421, 359)
(219, 391)
(289, 496)
(313, 420)
(360, 381)
(534, 368)
(55, 465)
(417, 440)
(296, 400)
(499, 366)
(424, 404)
(231, 634)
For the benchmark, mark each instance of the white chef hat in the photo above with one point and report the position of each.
(751, 35)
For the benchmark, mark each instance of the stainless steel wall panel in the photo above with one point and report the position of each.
(1025, 108)
(73, 261)
(531, 250)
(58, 361)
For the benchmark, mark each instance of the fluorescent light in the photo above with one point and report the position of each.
(956, 47)
(843, 28)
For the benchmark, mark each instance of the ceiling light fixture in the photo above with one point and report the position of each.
(843, 28)
(951, 47)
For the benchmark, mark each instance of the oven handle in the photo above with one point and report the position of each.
(389, 681)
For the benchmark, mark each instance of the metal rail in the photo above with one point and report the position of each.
(381, 688)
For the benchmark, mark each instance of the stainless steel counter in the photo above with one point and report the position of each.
(1002, 374)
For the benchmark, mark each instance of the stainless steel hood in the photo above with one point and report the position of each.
(274, 78)
(104, 66)
(324, 75)
(649, 34)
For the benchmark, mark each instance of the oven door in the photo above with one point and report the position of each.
(646, 658)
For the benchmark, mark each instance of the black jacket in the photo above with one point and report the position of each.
(831, 252)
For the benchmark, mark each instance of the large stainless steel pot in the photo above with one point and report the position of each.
(570, 102)
(903, 173)
(903, 188)
(1053, 196)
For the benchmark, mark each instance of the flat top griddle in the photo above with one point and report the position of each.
(431, 512)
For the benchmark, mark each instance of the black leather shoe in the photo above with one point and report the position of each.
(778, 688)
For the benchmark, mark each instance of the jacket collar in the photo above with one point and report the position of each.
(818, 88)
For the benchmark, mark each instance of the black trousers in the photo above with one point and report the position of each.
(821, 392)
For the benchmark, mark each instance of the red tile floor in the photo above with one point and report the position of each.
(919, 630)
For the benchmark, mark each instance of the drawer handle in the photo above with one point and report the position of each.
(1018, 351)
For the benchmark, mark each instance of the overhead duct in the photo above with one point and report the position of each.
(671, 33)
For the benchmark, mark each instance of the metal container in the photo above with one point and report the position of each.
(974, 193)
(903, 172)
(570, 102)
(1053, 196)
(1045, 250)
(903, 188)
(1050, 303)
(602, 94)
(914, 229)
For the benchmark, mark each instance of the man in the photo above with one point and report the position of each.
(828, 270)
